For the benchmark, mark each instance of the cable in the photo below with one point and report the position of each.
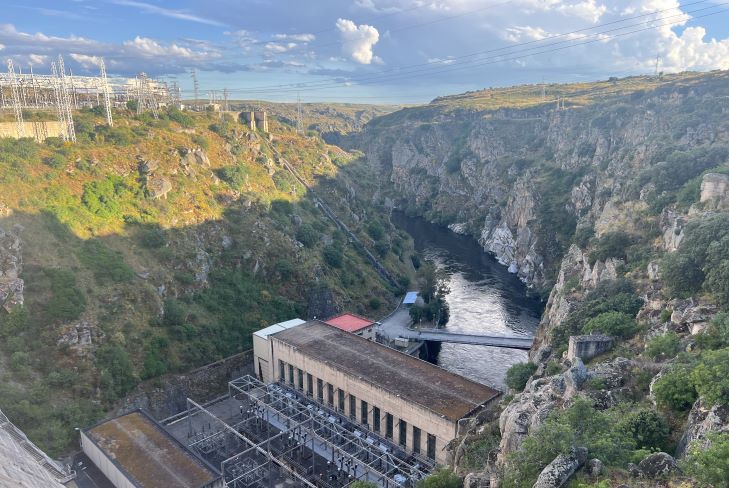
(478, 53)
(599, 36)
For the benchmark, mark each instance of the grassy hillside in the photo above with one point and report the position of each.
(160, 245)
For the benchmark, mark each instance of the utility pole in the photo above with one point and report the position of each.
(225, 99)
(20, 126)
(658, 60)
(196, 87)
(105, 90)
(299, 127)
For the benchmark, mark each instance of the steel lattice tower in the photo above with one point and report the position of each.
(16, 99)
(66, 98)
(105, 89)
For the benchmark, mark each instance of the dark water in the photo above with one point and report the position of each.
(484, 297)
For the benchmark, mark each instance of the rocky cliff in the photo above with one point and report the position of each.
(591, 204)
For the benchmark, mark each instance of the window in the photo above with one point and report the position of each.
(388, 425)
(309, 385)
(352, 407)
(403, 433)
(340, 397)
(431, 446)
(364, 413)
(281, 371)
(416, 440)
(291, 374)
(301, 379)
(320, 390)
(330, 394)
(376, 419)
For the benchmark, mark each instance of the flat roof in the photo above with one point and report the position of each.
(349, 322)
(272, 329)
(147, 454)
(417, 381)
(410, 297)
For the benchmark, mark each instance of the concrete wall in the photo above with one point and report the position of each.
(262, 362)
(38, 130)
(110, 470)
(167, 395)
(428, 422)
(261, 120)
(587, 347)
(249, 118)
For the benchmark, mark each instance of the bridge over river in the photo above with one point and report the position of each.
(397, 325)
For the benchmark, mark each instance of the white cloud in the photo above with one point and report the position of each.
(37, 59)
(144, 46)
(295, 37)
(88, 62)
(358, 40)
(166, 12)
(278, 48)
(446, 61)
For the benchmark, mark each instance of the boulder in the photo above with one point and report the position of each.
(11, 265)
(657, 465)
(575, 377)
(158, 187)
(559, 471)
(145, 167)
(702, 421)
(594, 467)
(715, 190)
(477, 480)
(194, 156)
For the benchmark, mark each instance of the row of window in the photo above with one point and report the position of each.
(366, 412)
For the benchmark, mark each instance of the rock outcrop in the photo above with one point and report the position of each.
(715, 190)
(656, 466)
(11, 265)
(703, 421)
(196, 156)
(559, 471)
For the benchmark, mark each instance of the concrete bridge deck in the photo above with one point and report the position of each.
(459, 338)
(398, 324)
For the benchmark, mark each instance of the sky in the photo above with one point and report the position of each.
(366, 51)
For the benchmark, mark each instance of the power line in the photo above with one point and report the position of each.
(599, 36)
(454, 60)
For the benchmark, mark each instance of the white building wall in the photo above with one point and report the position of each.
(97, 456)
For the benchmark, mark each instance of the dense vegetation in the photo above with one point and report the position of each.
(163, 285)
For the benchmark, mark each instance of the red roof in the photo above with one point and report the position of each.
(349, 322)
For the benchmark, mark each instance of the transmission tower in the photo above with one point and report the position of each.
(66, 98)
(225, 99)
(658, 60)
(16, 99)
(145, 95)
(196, 87)
(59, 100)
(34, 85)
(105, 90)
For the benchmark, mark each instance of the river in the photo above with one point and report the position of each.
(483, 297)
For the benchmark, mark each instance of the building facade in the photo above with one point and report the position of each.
(411, 402)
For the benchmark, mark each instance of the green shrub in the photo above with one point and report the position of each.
(107, 265)
(518, 375)
(443, 478)
(153, 238)
(666, 315)
(103, 197)
(583, 234)
(56, 160)
(306, 235)
(180, 117)
(66, 301)
(648, 428)
(674, 389)
(285, 269)
(200, 141)
(711, 377)
(716, 334)
(617, 324)
(376, 230)
(333, 256)
(681, 274)
(710, 465)
(663, 346)
(117, 371)
(375, 303)
(611, 245)
(235, 176)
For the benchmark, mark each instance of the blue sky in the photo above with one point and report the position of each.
(367, 50)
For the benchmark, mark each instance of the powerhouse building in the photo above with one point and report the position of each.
(408, 401)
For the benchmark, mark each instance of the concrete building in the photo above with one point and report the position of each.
(23, 465)
(134, 451)
(261, 120)
(409, 401)
(355, 324)
(248, 117)
(262, 359)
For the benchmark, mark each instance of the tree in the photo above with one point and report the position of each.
(616, 324)
(710, 465)
(611, 245)
(674, 390)
(443, 478)
(711, 377)
(663, 346)
(648, 428)
(518, 375)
